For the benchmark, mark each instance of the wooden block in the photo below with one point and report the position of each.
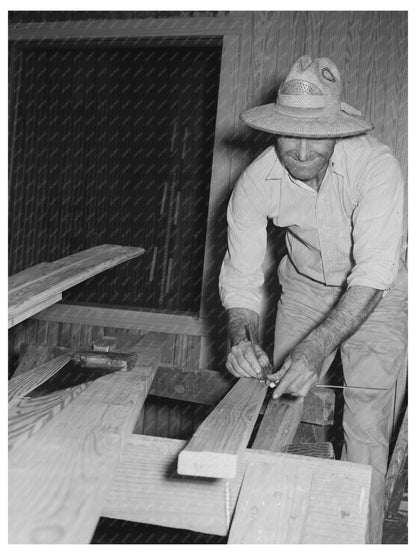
(280, 422)
(319, 406)
(146, 488)
(105, 344)
(216, 445)
(36, 294)
(322, 449)
(205, 387)
(59, 477)
(311, 433)
(302, 500)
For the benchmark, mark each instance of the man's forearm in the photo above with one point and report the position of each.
(354, 307)
(238, 320)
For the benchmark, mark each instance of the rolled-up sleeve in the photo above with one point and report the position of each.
(241, 276)
(378, 224)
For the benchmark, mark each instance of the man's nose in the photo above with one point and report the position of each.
(303, 150)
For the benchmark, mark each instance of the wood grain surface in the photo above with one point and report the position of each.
(27, 298)
(279, 424)
(146, 488)
(216, 445)
(284, 498)
(301, 500)
(59, 475)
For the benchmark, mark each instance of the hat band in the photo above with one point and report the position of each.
(329, 111)
(301, 100)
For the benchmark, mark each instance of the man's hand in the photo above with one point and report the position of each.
(244, 361)
(300, 371)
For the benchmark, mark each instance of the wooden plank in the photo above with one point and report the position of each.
(44, 269)
(301, 500)
(23, 301)
(216, 445)
(28, 416)
(58, 478)
(19, 386)
(279, 424)
(34, 356)
(397, 462)
(16, 318)
(125, 319)
(206, 387)
(125, 28)
(146, 488)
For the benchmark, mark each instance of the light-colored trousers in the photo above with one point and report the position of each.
(374, 356)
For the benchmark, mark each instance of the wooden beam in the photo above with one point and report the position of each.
(279, 424)
(205, 387)
(216, 445)
(302, 500)
(59, 477)
(127, 28)
(146, 488)
(37, 292)
(319, 407)
(125, 319)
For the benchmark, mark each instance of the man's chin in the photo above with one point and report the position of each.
(302, 174)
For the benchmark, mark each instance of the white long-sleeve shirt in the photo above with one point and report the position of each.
(348, 233)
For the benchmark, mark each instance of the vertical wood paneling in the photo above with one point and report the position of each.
(369, 48)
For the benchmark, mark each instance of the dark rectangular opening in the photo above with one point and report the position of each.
(112, 142)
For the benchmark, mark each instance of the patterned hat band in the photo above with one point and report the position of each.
(308, 104)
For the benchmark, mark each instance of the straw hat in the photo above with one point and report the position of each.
(308, 104)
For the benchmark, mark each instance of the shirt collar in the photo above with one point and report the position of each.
(277, 171)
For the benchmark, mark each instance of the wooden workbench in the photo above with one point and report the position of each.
(73, 456)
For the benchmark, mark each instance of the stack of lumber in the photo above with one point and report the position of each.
(36, 288)
(65, 447)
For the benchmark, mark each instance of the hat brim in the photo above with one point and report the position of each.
(268, 118)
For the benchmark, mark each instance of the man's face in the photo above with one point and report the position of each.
(305, 159)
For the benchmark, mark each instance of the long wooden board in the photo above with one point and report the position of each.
(40, 291)
(59, 476)
(216, 445)
(280, 422)
(302, 500)
(125, 319)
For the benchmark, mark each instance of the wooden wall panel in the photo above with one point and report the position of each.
(369, 48)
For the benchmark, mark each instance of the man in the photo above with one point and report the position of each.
(339, 193)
